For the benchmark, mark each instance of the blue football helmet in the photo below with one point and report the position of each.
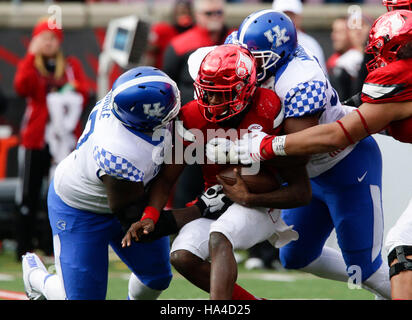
(145, 99)
(271, 36)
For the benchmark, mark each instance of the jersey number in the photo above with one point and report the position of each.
(90, 123)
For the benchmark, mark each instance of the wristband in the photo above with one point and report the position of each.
(151, 213)
(266, 150)
(278, 145)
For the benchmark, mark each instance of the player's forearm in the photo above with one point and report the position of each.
(159, 194)
(353, 127)
(317, 139)
(162, 187)
(185, 215)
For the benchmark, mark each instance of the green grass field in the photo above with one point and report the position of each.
(269, 284)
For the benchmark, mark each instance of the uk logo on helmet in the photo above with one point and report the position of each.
(153, 110)
(279, 34)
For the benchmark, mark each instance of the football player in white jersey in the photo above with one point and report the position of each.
(385, 103)
(346, 184)
(99, 184)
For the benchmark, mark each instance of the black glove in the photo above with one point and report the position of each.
(213, 202)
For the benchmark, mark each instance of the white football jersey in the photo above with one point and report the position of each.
(304, 89)
(106, 147)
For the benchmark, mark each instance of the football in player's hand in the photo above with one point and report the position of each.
(263, 181)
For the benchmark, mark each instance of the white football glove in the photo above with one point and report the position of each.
(213, 202)
(247, 149)
(217, 150)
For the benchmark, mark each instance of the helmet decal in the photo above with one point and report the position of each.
(145, 98)
(244, 66)
(153, 110)
(390, 26)
(277, 34)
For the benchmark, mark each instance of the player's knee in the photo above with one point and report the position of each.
(156, 281)
(218, 241)
(291, 260)
(160, 282)
(147, 288)
(183, 260)
(289, 263)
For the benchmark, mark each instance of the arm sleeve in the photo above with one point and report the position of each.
(306, 98)
(387, 85)
(116, 166)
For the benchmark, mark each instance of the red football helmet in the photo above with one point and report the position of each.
(226, 81)
(390, 32)
(392, 5)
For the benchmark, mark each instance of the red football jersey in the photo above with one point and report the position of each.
(392, 83)
(265, 113)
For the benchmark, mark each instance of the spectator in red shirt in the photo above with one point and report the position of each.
(161, 33)
(56, 91)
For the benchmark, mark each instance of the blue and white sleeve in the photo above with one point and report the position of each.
(306, 98)
(116, 166)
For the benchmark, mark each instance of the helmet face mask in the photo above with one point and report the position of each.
(266, 60)
(270, 36)
(145, 99)
(389, 34)
(225, 83)
(219, 103)
(381, 58)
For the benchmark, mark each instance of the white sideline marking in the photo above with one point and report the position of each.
(6, 277)
(269, 277)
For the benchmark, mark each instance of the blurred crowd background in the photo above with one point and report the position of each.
(335, 30)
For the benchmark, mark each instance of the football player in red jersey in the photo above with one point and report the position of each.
(228, 103)
(386, 97)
